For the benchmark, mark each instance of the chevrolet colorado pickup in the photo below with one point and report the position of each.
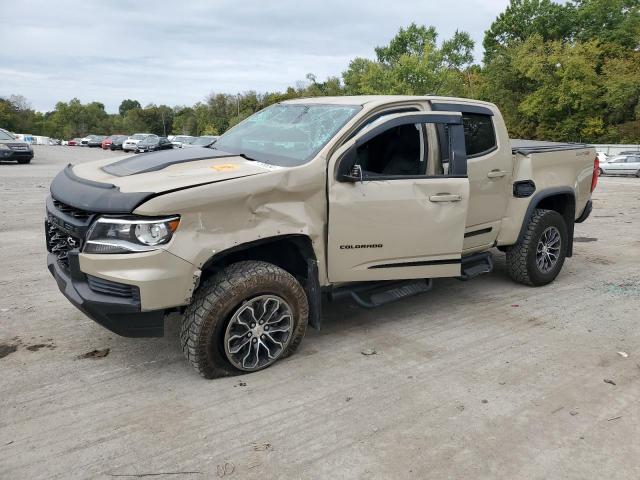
(308, 200)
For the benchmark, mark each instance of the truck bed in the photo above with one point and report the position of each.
(526, 147)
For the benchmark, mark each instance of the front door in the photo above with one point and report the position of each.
(389, 219)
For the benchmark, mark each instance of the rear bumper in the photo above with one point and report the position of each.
(120, 315)
(586, 212)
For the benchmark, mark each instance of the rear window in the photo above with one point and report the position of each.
(479, 134)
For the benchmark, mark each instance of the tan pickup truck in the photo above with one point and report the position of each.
(306, 201)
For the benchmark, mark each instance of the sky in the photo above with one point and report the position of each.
(177, 53)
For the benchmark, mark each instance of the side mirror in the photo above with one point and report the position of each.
(354, 175)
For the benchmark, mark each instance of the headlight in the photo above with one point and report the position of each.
(126, 235)
(4, 147)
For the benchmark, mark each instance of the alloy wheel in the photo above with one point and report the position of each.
(258, 332)
(548, 249)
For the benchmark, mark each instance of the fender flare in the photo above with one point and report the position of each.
(311, 281)
(569, 216)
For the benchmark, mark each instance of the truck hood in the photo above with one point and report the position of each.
(119, 185)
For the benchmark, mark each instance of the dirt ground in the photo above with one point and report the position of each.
(483, 379)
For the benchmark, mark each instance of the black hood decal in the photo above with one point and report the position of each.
(92, 196)
(151, 162)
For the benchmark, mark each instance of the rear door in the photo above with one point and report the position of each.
(633, 164)
(490, 168)
(389, 219)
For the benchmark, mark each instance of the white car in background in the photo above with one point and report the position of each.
(85, 141)
(179, 140)
(622, 165)
(131, 143)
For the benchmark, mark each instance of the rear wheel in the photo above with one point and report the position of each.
(244, 319)
(539, 255)
(23, 161)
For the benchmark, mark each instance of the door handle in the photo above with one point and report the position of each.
(445, 197)
(496, 173)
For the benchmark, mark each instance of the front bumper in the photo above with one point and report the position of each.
(120, 315)
(14, 155)
(126, 293)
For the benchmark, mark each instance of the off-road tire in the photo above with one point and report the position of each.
(205, 319)
(521, 257)
(24, 161)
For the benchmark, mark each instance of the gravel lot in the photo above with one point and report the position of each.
(484, 379)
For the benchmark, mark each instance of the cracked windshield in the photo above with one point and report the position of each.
(286, 134)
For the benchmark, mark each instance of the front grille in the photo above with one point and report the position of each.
(71, 211)
(107, 287)
(19, 147)
(60, 243)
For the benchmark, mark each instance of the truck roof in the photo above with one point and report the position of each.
(379, 99)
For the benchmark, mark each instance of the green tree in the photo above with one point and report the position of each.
(609, 21)
(413, 64)
(127, 105)
(525, 18)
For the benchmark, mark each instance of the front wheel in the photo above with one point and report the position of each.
(23, 161)
(600, 172)
(638, 174)
(538, 256)
(244, 319)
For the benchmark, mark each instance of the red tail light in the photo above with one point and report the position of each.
(596, 174)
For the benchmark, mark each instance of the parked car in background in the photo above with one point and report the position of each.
(13, 149)
(622, 165)
(113, 142)
(130, 144)
(152, 144)
(203, 141)
(74, 142)
(630, 152)
(179, 140)
(96, 141)
(85, 140)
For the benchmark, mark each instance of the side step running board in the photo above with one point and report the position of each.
(477, 264)
(376, 294)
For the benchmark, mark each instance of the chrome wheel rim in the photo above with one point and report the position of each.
(548, 249)
(258, 332)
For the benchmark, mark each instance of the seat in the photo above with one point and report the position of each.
(402, 153)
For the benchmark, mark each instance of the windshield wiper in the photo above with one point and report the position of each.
(247, 157)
